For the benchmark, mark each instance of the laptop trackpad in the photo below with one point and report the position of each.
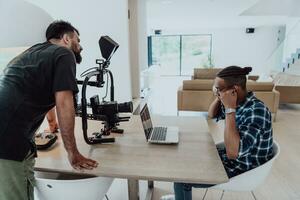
(172, 135)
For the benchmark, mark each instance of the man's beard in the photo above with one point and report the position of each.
(78, 57)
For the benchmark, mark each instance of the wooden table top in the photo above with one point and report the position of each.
(195, 159)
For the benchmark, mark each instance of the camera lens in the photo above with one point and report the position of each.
(125, 107)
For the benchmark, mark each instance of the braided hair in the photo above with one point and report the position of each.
(234, 75)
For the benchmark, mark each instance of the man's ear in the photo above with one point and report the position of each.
(236, 88)
(66, 38)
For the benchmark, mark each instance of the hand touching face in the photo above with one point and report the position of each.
(226, 94)
(228, 98)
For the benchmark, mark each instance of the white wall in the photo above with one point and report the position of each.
(22, 24)
(235, 47)
(232, 46)
(93, 19)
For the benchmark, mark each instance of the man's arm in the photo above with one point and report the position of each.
(231, 134)
(51, 118)
(214, 108)
(66, 119)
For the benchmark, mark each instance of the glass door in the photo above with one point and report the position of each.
(177, 55)
(166, 54)
(196, 53)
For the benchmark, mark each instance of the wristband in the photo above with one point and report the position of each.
(229, 110)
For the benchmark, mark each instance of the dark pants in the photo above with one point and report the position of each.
(183, 191)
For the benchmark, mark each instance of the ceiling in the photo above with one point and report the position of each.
(172, 14)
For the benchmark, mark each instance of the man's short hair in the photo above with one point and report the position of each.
(234, 75)
(58, 28)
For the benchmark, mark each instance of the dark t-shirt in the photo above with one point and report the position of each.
(27, 89)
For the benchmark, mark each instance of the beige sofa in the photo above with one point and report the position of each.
(197, 95)
(289, 87)
(210, 73)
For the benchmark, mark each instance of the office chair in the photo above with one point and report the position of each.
(50, 186)
(251, 179)
(246, 181)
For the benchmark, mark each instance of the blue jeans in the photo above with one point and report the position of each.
(183, 191)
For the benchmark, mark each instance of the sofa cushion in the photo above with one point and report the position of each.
(198, 84)
(207, 84)
(260, 86)
(253, 77)
(211, 73)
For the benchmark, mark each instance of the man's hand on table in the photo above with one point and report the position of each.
(79, 162)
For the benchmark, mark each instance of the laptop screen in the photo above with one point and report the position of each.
(146, 121)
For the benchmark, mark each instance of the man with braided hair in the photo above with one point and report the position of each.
(248, 140)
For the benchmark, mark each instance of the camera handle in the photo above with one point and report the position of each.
(95, 139)
(99, 72)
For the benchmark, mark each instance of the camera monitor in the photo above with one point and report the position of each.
(107, 47)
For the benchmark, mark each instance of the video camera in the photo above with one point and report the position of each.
(108, 112)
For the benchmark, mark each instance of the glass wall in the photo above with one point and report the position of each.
(180, 54)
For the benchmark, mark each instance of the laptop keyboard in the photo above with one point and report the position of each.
(159, 133)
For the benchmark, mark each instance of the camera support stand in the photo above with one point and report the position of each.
(107, 112)
(97, 138)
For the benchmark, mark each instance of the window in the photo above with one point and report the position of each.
(179, 54)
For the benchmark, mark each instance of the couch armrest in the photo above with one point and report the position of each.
(194, 100)
(276, 100)
(179, 98)
(288, 94)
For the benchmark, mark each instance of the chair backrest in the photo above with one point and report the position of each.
(53, 187)
(251, 179)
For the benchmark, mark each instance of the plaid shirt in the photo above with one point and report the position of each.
(254, 123)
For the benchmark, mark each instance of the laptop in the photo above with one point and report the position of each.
(158, 135)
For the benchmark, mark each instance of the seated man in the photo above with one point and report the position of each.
(248, 127)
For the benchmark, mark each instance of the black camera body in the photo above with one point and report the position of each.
(105, 111)
(108, 111)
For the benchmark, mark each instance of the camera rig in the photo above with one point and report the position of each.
(105, 111)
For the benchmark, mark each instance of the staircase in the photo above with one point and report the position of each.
(292, 64)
